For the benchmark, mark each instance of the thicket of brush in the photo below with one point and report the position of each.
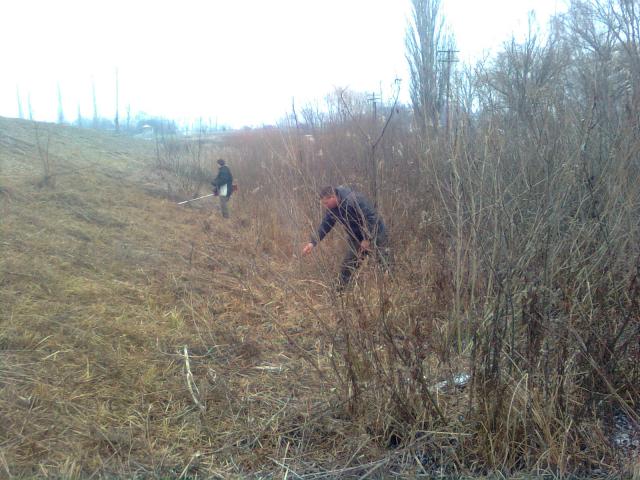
(515, 227)
(143, 339)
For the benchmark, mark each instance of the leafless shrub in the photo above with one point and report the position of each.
(48, 176)
(184, 157)
(517, 246)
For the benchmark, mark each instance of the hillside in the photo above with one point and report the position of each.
(140, 338)
(104, 282)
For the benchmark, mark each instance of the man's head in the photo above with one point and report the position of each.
(328, 197)
(220, 162)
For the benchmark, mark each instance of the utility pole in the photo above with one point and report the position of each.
(373, 164)
(448, 57)
(374, 99)
(117, 120)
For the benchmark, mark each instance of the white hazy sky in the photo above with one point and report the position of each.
(236, 62)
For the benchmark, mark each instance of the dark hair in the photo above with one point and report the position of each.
(327, 191)
(220, 161)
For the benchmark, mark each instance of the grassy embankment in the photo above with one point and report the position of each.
(104, 282)
(139, 338)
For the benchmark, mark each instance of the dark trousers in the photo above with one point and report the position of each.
(223, 206)
(353, 257)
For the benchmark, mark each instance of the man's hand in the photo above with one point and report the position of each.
(307, 248)
(365, 246)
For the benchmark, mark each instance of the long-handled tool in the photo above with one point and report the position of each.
(194, 199)
(214, 194)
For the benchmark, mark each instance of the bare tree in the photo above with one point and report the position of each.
(20, 113)
(95, 103)
(60, 108)
(116, 122)
(29, 106)
(425, 36)
(373, 140)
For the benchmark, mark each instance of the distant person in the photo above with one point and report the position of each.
(223, 186)
(365, 229)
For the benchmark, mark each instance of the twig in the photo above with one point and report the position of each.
(195, 455)
(191, 383)
(282, 465)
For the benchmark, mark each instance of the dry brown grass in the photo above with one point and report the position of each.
(108, 289)
(104, 287)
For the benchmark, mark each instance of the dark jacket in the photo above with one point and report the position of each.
(358, 216)
(224, 178)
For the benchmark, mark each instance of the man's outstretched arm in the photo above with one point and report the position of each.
(325, 227)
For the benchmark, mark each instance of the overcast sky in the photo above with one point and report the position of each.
(236, 62)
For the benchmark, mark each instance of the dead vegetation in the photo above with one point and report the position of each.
(140, 339)
(107, 292)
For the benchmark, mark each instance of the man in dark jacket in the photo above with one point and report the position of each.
(223, 186)
(365, 229)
